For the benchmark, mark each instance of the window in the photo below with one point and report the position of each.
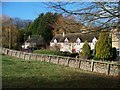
(55, 41)
(78, 41)
(94, 41)
(66, 41)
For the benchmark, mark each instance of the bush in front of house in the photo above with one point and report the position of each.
(68, 54)
(54, 52)
(114, 53)
(103, 48)
(85, 53)
(45, 51)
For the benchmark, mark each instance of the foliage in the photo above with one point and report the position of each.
(10, 35)
(49, 24)
(24, 33)
(101, 15)
(68, 54)
(54, 52)
(43, 26)
(67, 25)
(86, 53)
(34, 26)
(18, 73)
(104, 47)
(45, 51)
(15, 31)
(114, 53)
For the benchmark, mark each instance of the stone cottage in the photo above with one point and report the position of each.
(116, 41)
(73, 42)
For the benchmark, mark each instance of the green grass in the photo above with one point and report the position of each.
(34, 74)
(54, 52)
(45, 51)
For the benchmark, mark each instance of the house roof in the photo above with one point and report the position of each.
(37, 40)
(57, 37)
(72, 37)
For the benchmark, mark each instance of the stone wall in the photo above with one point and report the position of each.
(108, 68)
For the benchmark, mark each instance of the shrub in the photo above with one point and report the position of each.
(114, 53)
(103, 48)
(45, 51)
(54, 52)
(86, 51)
(68, 54)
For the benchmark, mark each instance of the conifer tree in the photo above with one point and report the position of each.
(103, 47)
(85, 50)
(43, 26)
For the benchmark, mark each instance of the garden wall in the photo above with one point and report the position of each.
(108, 68)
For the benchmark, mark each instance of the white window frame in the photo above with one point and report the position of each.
(66, 41)
(78, 41)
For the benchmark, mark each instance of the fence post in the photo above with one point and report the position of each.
(58, 59)
(15, 53)
(76, 58)
(43, 58)
(108, 68)
(79, 63)
(7, 51)
(68, 61)
(29, 56)
(24, 55)
(11, 52)
(19, 54)
(49, 58)
(92, 65)
(35, 56)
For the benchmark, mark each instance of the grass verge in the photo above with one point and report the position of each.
(18, 73)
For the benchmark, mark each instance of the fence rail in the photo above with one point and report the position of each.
(109, 68)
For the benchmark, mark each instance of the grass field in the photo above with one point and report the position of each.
(17, 73)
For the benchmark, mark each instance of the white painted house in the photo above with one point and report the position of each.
(73, 42)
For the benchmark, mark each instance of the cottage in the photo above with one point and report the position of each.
(73, 42)
(34, 42)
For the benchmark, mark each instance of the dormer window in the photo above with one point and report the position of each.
(94, 41)
(78, 41)
(66, 41)
(55, 41)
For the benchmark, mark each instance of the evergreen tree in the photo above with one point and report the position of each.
(43, 25)
(34, 26)
(86, 50)
(103, 47)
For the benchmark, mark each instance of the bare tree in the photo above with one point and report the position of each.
(99, 15)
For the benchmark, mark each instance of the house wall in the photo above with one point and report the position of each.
(92, 46)
(68, 47)
(115, 41)
(108, 68)
(52, 44)
(26, 45)
(116, 44)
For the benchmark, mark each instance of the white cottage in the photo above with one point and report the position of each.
(73, 42)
